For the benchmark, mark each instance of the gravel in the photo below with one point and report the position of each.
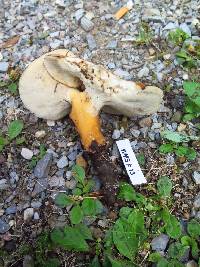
(4, 226)
(160, 242)
(4, 66)
(196, 177)
(28, 214)
(62, 162)
(88, 29)
(116, 134)
(26, 153)
(43, 166)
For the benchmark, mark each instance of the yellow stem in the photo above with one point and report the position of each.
(86, 120)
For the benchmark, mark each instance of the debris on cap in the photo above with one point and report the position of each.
(123, 10)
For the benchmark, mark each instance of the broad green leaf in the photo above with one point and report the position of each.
(124, 212)
(91, 206)
(192, 90)
(193, 228)
(189, 241)
(155, 257)
(84, 230)
(177, 250)
(108, 239)
(88, 186)
(62, 200)
(178, 137)
(191, 154)
(191, 107)
(189, 117)
(162, 263)
(188, 152)
(181, 151)
(77, 192)
(120, 263)
(3, 142)
(141, 159)
(164, 185)
(136, 221)
(69, 238)
(54, 262)
(95, 262)
(79, 173)
(177, 36)
(76, 215)
(12, 88)
(20, 140)
(166, 148)
(125, 239)
(15, 128)
(172, 225)
(127, 192)
(175, 263)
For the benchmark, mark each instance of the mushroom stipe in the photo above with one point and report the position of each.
(59, 83)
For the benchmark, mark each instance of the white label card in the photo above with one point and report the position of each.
(130, 162)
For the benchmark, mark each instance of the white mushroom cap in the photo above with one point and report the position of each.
(108, 90)
(46, 85)
(45, 96)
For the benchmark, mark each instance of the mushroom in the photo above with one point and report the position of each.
(58, 83)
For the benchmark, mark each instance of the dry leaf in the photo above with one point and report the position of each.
(81, 161)
(10, 42)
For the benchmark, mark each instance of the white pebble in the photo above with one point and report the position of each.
(51, 123)
(185, 76)
(26, 153)
(40, 134)
(28, 214)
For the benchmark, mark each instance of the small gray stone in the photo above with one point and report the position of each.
(36, 204)
(97, 184)
(40, 186)
(56, 181)
(91, 41)
(135, 133)
(112, 44)
(170, 159)
(184, 27)
(197, 201)
(4, 66)
(87, 24)
(62, 162)
(170, 26)
(71, 184)
(116, 134)
(196, 177)
(160, 242)
(11, 210)
(143, 72)
(28, 261)
(89, 220)
(177, 116)
(28, 214)
(122, 74)
(197, 215)
(103, 223)
(191, 264)
(36, 216)
(42, 168)
(55, 44)
(79, 14)
(111, 65)
(4, 226)
(26, 153)
(68, 175)
(3, 184)
(72, 156)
